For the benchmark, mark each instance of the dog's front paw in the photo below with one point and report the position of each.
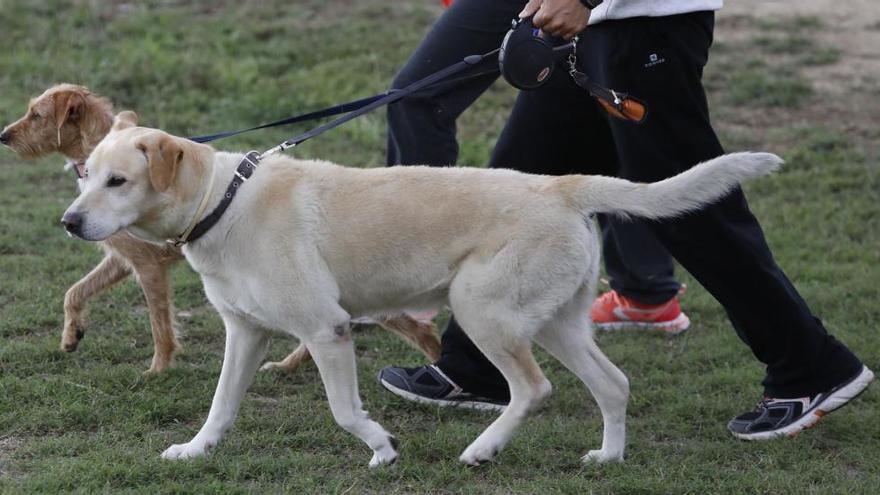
(385, 455)
(278, 365)
(382, 458)
(185, 451)
(601, 456)
(161, 362)
(476, 455)
(72, 334)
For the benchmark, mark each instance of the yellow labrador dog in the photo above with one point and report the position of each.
(307, 245)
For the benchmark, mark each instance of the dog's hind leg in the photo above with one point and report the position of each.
(422, 335)
(291, 362)
(154, 280)
(111, 270)
(528, 389)
(501, 303)
(569, 338)
(246, 345)
(336, 362)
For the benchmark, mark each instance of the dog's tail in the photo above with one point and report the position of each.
(685, 192)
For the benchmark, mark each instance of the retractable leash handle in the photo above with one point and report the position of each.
(527, 60)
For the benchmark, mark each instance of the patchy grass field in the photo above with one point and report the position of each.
(91, 422)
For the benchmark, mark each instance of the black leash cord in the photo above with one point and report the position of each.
(318, 114)
(391, 97)
(342, 108)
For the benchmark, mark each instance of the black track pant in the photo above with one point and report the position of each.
(558, 129)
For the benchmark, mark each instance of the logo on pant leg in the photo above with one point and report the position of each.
(654, 59)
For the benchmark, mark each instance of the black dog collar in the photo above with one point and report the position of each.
(243, 172)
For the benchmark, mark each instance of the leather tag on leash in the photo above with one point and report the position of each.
(618, 104)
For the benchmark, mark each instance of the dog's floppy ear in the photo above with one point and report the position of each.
(124, 120)
(68, 106)
(163, 156)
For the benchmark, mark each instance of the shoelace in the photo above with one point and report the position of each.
(766, 402)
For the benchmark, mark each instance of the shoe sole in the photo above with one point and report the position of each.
(672, 327)
(834, 401)
(474, 405)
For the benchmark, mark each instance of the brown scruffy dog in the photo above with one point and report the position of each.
(71, 120)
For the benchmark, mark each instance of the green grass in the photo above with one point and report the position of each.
(90, 422)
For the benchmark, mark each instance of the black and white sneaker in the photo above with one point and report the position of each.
(429, 385)
(787, 417)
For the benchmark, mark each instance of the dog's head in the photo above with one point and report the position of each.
(140, 179)
(66, 118)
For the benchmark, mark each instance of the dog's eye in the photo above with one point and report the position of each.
(115, 181)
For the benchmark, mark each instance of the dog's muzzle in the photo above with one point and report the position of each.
(73, 223)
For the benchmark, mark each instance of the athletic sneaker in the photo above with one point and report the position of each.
(612, 311)
(429, 385)
(777, 417)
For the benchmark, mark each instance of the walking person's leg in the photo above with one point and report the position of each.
(421, 127)
(638, 265)
(722, 246)
(644, 291)
(422, 131)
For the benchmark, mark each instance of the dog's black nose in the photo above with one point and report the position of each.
(72, 222)
(4, 137)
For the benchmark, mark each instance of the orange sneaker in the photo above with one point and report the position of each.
(612, 311)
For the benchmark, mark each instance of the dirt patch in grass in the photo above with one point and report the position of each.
(8, 446)
(819, 59)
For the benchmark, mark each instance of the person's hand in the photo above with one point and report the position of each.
(561, 18)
